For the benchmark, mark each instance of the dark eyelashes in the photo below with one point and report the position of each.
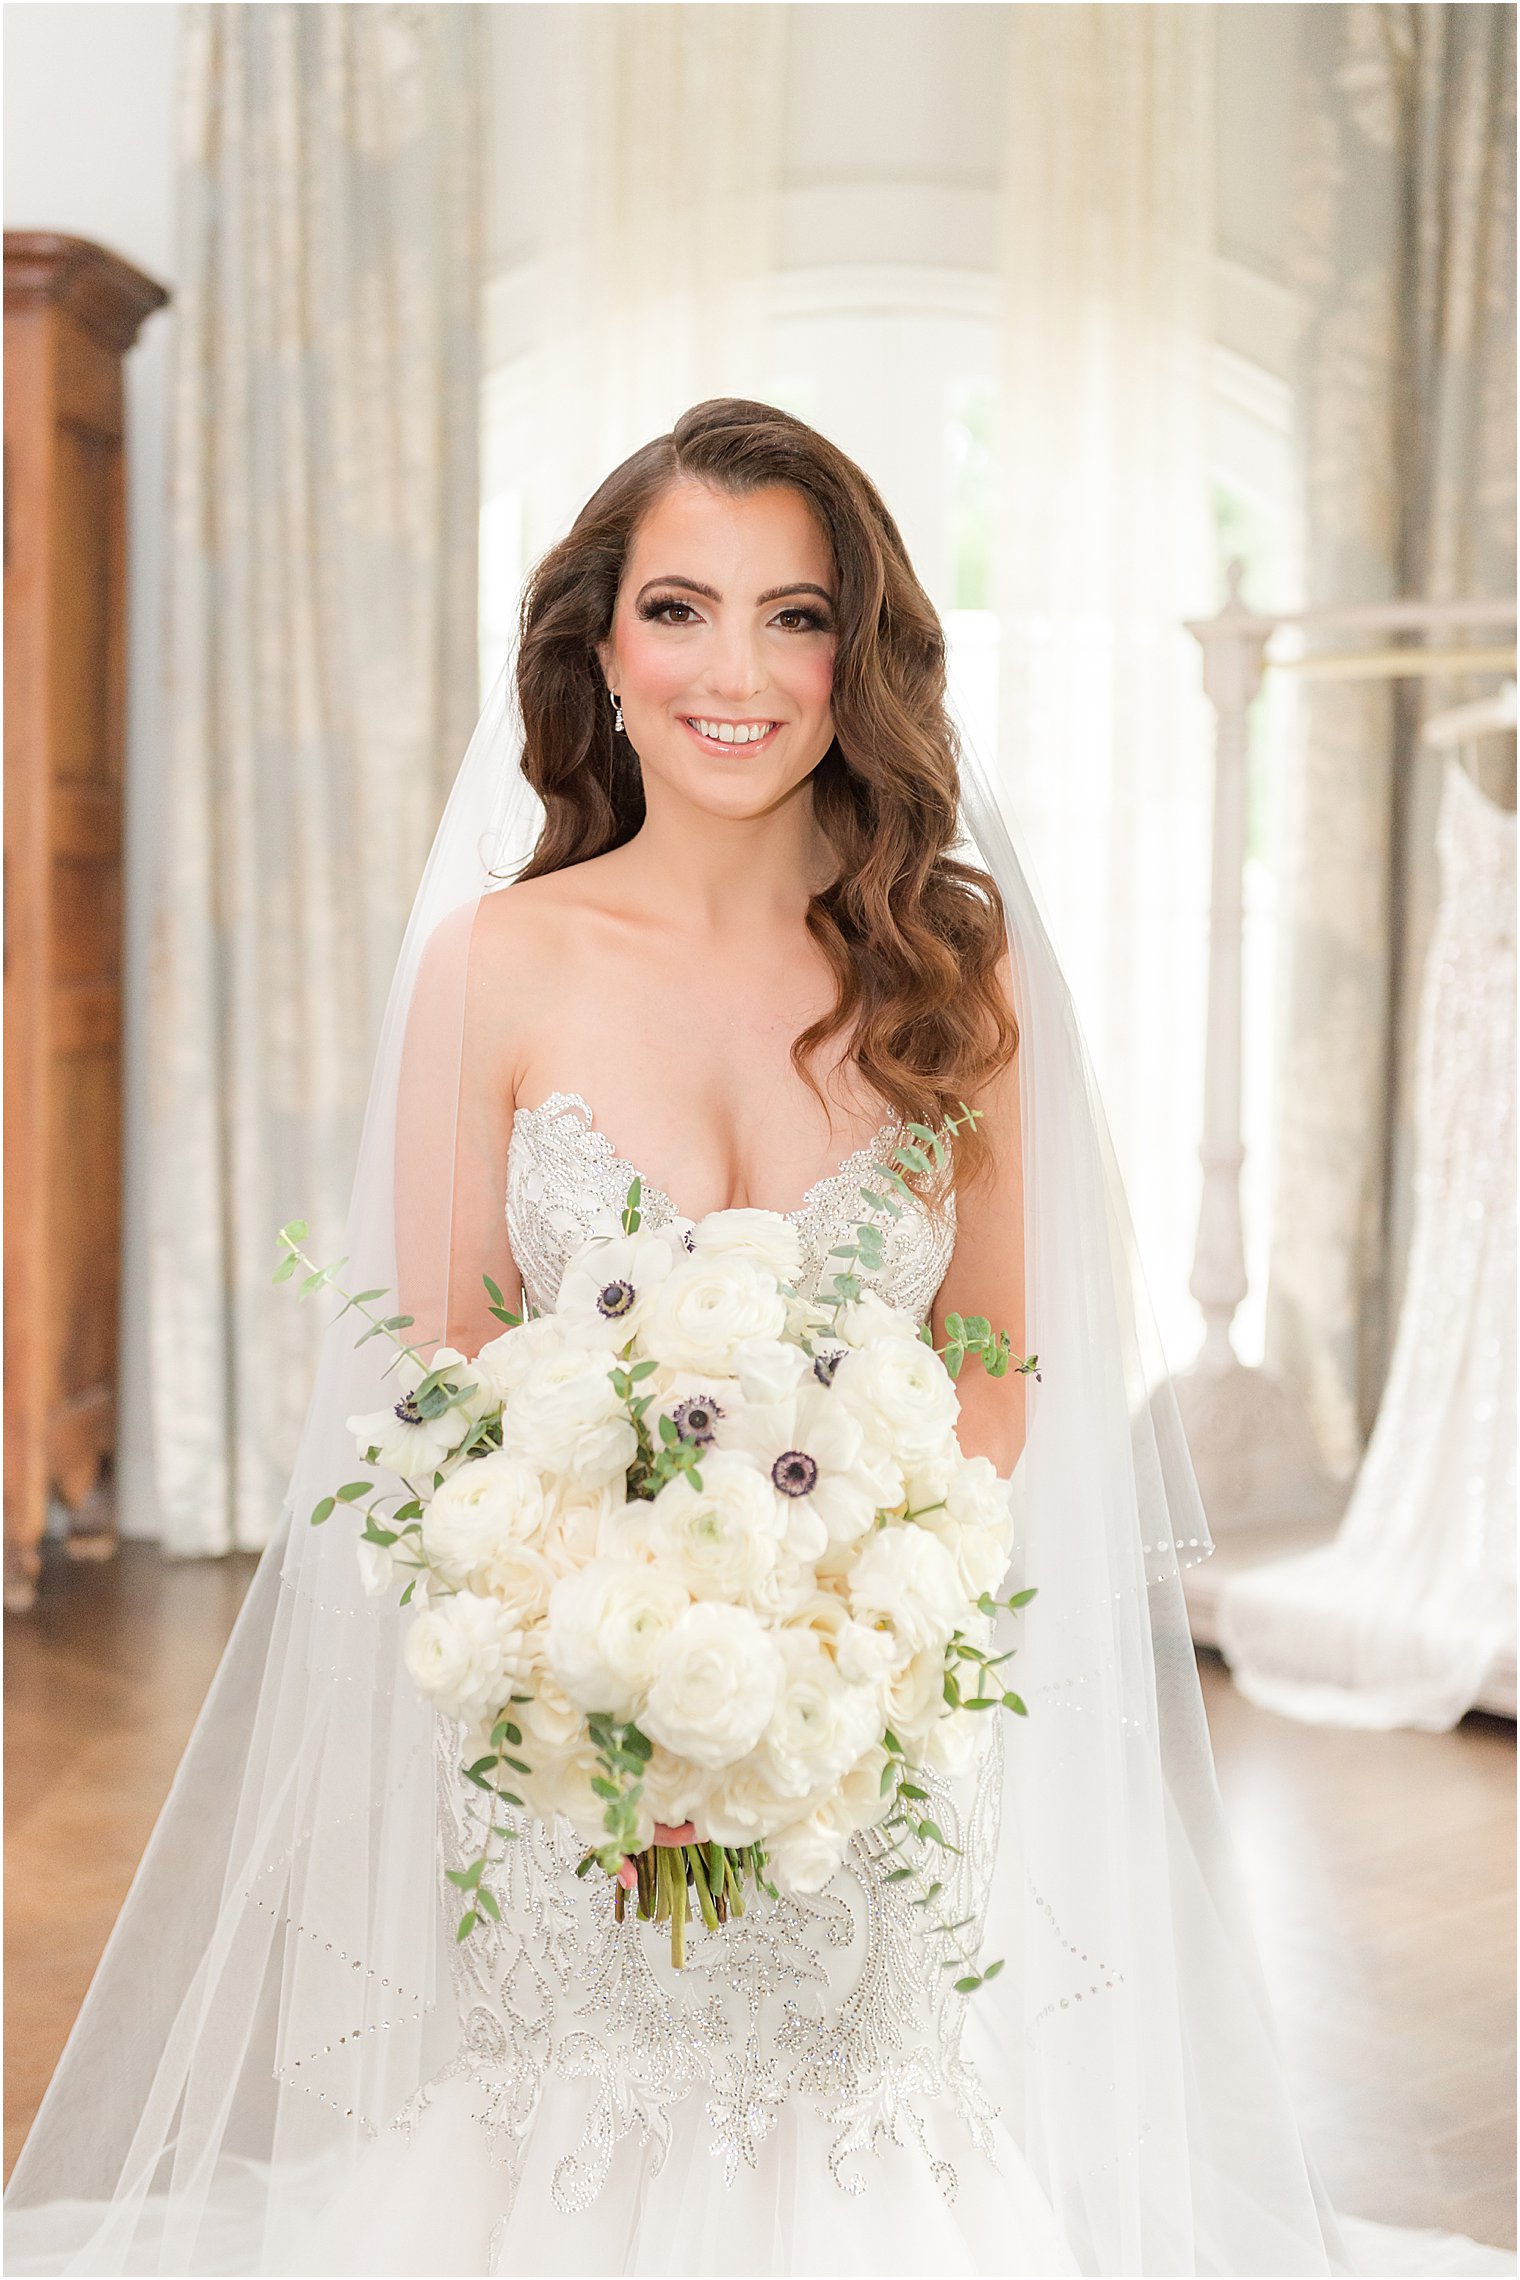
(656, 605)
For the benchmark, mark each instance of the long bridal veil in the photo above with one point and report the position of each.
(277, 1987)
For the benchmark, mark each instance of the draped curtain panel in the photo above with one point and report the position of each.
(1404, 267)
(321, 677)
(1104, 545)
(657, 233)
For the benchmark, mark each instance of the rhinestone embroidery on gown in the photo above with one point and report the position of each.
(837, 2002)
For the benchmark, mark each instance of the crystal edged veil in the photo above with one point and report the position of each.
(277, 1986)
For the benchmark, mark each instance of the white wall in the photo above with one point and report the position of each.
(89, 150)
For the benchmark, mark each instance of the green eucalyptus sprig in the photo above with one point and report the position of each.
(967, 1336)
(486, 1773)
(912, 1830)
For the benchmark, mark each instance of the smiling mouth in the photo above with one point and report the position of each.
(736, 743)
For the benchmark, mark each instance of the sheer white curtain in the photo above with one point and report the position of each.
(321, 679)
(1104, 544)
(644, 210)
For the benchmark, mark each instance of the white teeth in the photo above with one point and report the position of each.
(726, 732)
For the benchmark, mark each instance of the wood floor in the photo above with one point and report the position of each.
(1380, 1869)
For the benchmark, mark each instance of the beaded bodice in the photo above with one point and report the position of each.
(563, 1175)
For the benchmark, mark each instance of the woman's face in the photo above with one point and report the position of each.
(725, 620)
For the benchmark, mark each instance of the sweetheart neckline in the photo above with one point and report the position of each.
(559, 1101)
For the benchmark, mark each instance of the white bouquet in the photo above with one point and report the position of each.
(698, 1559)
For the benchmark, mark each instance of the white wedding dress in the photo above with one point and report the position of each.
(804, 2095)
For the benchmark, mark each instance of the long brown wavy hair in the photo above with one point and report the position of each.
(912, 932)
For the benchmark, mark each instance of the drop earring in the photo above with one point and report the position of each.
(617, 718)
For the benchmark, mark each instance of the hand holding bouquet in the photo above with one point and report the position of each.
(697, 1556)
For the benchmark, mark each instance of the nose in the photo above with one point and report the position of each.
(735, 672)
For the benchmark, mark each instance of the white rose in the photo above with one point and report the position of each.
(491, 1501)
(916, 1697)
(562, 1782)
(903, 1395)
(465, 1654)
(564, 1417)
(768, 1369)
(862, 1801)
(821, 1724)
(706, 1308)
(724, 1538)
(504, 1362)
(718, 1683)
(606, 1290)
(609, 1628)
(764, 1236)
(520, 1580)
(579, 1520)
(549, 1717)
(905, 1582)
(867, 1320)
(805, 1854)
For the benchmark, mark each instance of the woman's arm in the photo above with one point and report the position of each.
(986, 1276)
(453, 1123)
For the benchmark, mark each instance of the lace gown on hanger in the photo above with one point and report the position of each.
(1398, 1621)
(800, 2098)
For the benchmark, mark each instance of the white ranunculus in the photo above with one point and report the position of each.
(865, 1656)
(718, 1682)
(979, 1497)
(950, 1743)
(413, 1446)
(723, 1540)
(564, 1417)
(504, 1362)
(706, 1308)
(739, 1806)
(764, 1236)
(903, 1395)
(868, 1320)
(805, 1854)
(627, 1532)
(769, 1369)
(975, 1525)
(465, 1654)
(606, 1290)
(675, 1791)
(820, 1464)
(821, 1724)
(610, 1628)
(491, 1501)
(905, 1582)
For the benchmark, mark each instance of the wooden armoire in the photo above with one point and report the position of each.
(72, 310)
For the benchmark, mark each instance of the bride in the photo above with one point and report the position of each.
(720, 903)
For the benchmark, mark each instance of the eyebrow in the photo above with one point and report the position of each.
(771, 594)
